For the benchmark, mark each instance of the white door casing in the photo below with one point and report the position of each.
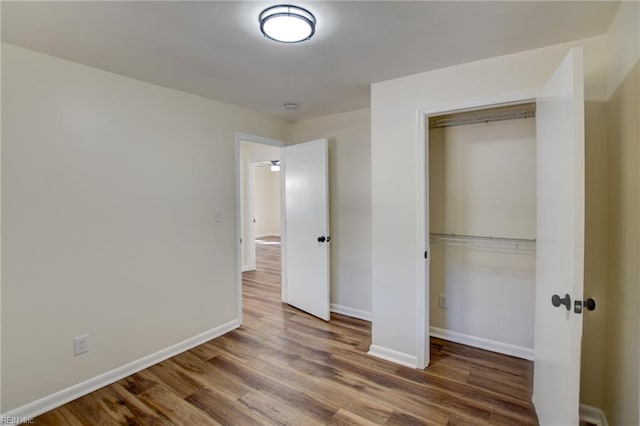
(560, 242)
(307, 219)
(249, 209)
(239, 138)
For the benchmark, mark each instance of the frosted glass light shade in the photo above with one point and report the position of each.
(287, 23)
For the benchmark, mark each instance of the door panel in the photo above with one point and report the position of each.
(307, 221)
(560, 243)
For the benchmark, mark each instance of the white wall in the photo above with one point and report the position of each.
(482, 179)
(250, 151)
(482, 182)
(398, 239)
(266, 197)
(349, 203)
(109, 186)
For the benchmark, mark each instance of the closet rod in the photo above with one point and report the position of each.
(512, 112)
(500, 243)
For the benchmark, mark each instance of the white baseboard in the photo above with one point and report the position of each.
(482, 343)
(350, 312)
(593, 415)
(393, 356)
(40, 406)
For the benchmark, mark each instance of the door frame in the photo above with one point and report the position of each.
(238, 139)
(422, 212)
(250, 209)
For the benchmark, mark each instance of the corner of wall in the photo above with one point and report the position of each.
(392, 355)
(592, 415)
(623, 44)
(40, 406)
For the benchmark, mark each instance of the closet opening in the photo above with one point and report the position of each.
(481, 192)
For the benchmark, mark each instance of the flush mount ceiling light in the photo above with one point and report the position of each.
(287, 23)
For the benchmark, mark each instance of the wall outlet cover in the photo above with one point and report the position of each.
(81, 344)
(442, 301)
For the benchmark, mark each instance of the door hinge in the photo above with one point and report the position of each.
(426, 254)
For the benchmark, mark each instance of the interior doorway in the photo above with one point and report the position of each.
(265, 203)
(450, 115)
(482, 224)
(559, 242)
(249, 151)
(304, 219)
(262, 204)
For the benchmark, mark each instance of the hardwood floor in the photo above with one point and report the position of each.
(286, 367)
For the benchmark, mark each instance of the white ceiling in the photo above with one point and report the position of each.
(215, 49)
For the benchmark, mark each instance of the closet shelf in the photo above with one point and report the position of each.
(496, 243)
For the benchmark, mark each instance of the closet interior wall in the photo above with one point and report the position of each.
(482, 188)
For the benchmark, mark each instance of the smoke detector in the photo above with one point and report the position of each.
(291, 106)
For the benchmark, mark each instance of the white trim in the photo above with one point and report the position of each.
(249, 217)
(482, 343)
(488, 101)
(422, 230)
(593, 415)
(245, 137)
(246, 268)
(393, 356)
(239, 242)
(283, 226)
(63, 396)
(350, 312)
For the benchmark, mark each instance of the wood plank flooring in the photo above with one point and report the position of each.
(286, 367)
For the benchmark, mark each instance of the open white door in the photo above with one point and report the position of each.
(560, 243)
(307, 227)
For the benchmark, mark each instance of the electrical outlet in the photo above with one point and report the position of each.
(442, 302)
(81, 344)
